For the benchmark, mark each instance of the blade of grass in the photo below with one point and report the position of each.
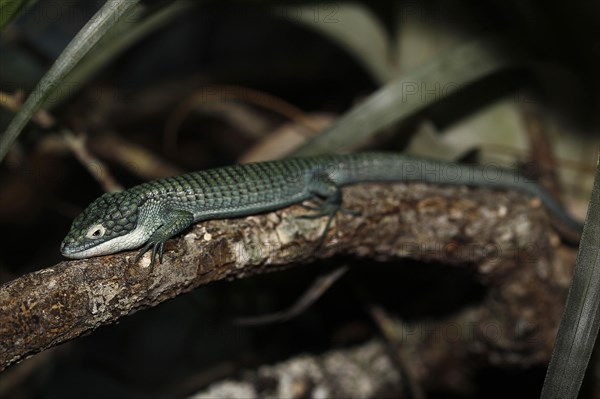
(581, 317)
(409, 94)
(353, 27)
(101, 23)
(123, 35)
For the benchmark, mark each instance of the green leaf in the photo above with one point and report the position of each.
(88, 36)
(9, 9)
(581, 317)
(353, 27)
(118, 39)
(403, 97)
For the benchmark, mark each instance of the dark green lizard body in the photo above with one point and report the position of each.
(151, 213)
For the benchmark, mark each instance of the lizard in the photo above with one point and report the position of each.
(149, 214)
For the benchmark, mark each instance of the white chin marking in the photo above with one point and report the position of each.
(128, 241)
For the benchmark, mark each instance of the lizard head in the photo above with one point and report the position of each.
(106, 226)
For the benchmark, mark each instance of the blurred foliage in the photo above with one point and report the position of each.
(10, 9)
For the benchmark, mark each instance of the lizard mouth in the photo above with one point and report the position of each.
(78, 251)
(75, 251)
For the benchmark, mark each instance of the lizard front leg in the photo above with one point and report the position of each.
(173, 222)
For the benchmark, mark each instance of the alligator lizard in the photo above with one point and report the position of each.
(149, 214)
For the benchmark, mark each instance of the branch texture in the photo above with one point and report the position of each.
(503, 236)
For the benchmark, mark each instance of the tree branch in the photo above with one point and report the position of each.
(502, 234)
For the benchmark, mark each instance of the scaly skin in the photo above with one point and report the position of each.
(151, 213)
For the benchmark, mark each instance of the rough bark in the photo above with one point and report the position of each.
(503, 236)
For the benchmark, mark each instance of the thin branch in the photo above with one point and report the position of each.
(495, 231)
(97, 168)
(207, 97)
(310, 296)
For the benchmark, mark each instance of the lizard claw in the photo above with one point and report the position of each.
(157, 247)
(142, 251)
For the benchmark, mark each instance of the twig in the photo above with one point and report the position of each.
(97, 168)
(136, 158)
(227, 93)
(314, 292)
(15, 101)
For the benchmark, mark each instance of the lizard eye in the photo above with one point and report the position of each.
(96, 231)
